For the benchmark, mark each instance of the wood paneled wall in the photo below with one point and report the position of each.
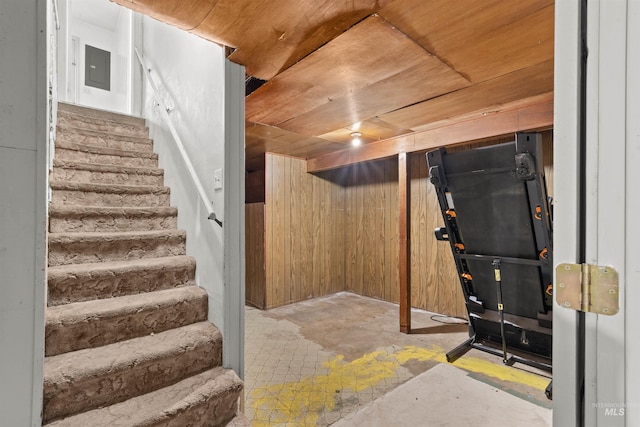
(435, 285)
(255, 277)
(338, 230)
(304, 222)
(254, 184)
(372, 238)
(371, 234)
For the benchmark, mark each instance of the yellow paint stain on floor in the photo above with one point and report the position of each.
(303, 402)
(474, 364)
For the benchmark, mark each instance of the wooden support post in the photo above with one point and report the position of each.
(404, 224)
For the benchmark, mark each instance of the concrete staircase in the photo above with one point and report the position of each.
(127, 341)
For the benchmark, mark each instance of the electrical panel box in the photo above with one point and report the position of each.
(97, 70)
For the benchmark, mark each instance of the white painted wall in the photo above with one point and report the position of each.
(612, 152)
(612, 393)
(118, 43)
(205, 94)
(566, 208)
(234, 232)
(23, 185)
(189, 71)
(121, 85)
(63, 43)
(632, 225)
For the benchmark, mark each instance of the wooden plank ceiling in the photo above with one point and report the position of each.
(392, 70)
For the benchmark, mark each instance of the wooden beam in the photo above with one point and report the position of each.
(482, 125)
(404, 231)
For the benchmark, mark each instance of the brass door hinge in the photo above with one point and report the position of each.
(588, 288)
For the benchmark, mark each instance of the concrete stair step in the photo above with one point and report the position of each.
(71, 151)
(66, 134)
(80, 248)
(82, 121)
(208, 399)
(93, 378)
(96, 173)
(96, 323)
(89, 194)
(84, 282)
(64, 107)
(72, 219)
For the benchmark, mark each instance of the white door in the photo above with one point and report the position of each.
(597, 358)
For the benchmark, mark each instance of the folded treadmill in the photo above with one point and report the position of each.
(497, 221)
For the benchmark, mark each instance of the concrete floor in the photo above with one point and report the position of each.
(341, 358)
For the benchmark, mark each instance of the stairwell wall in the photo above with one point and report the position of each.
(116, 42)
(23, 191)
(189, 73)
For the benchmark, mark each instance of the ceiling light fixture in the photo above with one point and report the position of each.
(355, 138)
